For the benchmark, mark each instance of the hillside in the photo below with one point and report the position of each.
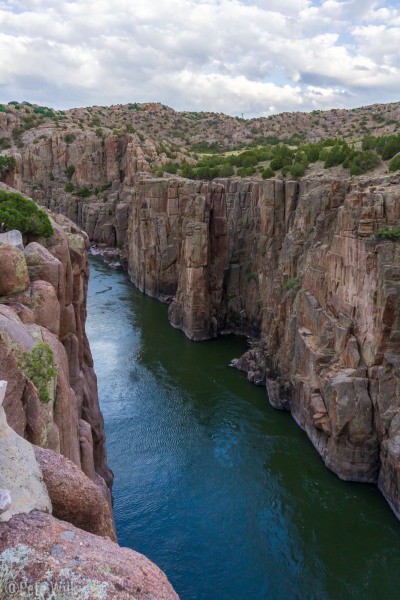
(193, 131)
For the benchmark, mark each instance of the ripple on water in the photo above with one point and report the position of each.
(224, 493)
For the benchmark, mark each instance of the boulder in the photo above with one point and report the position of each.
(43, 265)
(45, 306)
(12, 238)
(75, 498)
(74, 563)
(13, 269)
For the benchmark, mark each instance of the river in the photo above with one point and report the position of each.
(221, 491)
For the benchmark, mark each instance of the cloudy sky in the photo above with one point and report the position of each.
(255, 57)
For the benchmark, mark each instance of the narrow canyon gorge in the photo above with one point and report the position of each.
(296, 266)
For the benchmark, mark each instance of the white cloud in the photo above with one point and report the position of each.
(224, 55)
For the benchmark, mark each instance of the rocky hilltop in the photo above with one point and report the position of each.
(57, 535)
(85, 162)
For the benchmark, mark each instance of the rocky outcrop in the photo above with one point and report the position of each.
(43, 299)
(22, 488)
(74, 497)
(41, 556)
(297, 267)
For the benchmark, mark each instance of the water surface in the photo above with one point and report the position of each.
(224, 493)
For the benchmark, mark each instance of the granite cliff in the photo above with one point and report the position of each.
(43, 291)
(57, 534)
(297, 267)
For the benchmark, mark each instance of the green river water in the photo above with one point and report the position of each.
(224, 493)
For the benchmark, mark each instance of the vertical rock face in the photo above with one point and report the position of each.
(298, 267)
(44, 290)
(108, 167)
(178, 248)
(43, 299)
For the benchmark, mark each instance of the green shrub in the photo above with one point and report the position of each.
(391, 147)
(83, 192)
(251, 276)
(336, 155)
(291, 283)
(186, 170)
(394, 164)
(69, 138)
(364, 162)
(7, 163)
(69, 187)
(70, 171)
(226, 170)
(268, 173)
(369, 142)
(297, 170)
(388, 233)
(279, 162)
(312, 152)
(171, 168)
(38, 366)
(17, 212)
(44, 111)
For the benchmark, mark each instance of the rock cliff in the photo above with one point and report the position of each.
(107, 167)
(297, 267)
(45, 557)
(43, 288)
(57, 532)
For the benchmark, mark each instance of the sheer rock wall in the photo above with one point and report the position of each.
(296, 266)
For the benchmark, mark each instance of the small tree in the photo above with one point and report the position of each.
(394, 164)
(70, 171)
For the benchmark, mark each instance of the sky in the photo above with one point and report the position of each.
(254, 58)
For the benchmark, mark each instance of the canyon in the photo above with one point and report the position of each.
(296, 266)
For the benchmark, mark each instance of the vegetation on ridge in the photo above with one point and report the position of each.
(17, 212)
(206, 145)
(7, 163)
